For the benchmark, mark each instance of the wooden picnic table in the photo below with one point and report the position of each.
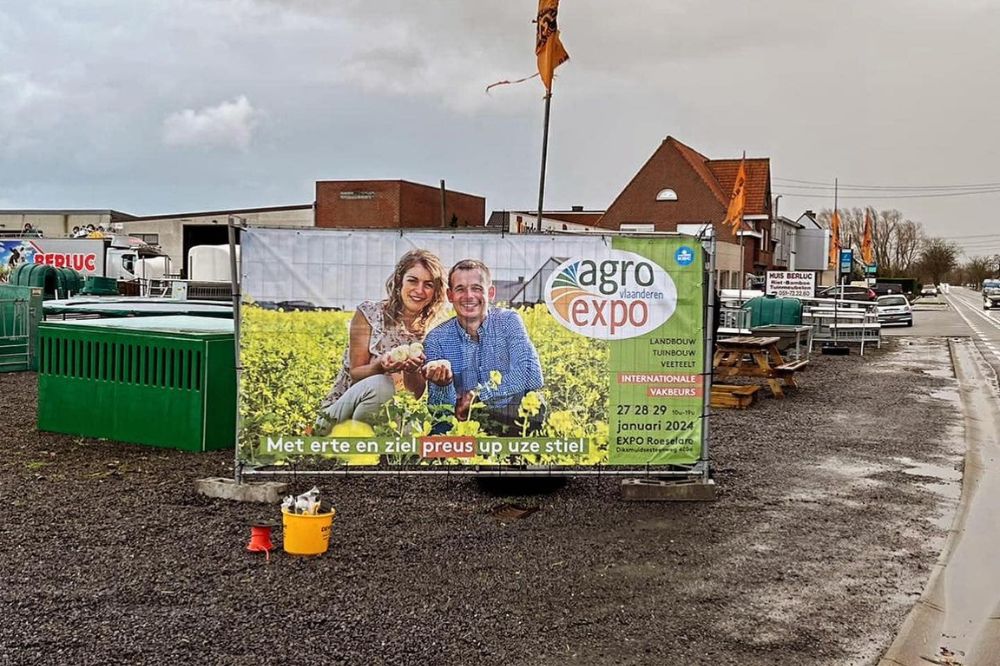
(756, 356)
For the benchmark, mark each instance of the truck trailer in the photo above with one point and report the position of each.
(119, 257)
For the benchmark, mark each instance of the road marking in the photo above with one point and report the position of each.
(979, 333)
(973, 307)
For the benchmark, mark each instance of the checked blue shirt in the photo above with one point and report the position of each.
(503, 345)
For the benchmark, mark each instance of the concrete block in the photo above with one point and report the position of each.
(668, 490)
(267, 492)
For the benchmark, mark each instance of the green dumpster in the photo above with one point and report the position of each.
(95, 285)
(766, 310)
(162, 381)
(20, 314)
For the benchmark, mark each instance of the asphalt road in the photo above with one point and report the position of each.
(982, 325)
(935, 320)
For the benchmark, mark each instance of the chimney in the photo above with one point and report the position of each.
(576, 209)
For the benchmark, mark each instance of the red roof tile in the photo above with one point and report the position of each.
(700, 163)
(758, 181)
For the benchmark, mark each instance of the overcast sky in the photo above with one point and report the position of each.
(156, 106)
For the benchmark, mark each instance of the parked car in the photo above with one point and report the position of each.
(894, 310)
(850, 293)
(888, 288)
(991, 293)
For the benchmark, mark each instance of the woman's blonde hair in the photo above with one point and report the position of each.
(394, 287)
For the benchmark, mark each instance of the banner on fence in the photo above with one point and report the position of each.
(449, 348)
(797, 284)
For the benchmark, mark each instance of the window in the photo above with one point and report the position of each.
(637, 228)
(148, 239)
(666, 194)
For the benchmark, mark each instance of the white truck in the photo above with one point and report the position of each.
(119, 257)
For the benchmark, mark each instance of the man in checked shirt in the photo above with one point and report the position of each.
(480, 340)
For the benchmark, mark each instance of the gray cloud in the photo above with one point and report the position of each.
(887, 92)
(225, 124)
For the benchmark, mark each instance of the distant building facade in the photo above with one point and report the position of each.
(58, 223)
(360, 204)
(394, 204)
(526, 221)
(176, 233)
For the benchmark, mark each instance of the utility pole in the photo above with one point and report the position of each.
(443, 216)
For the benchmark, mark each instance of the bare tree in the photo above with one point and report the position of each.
(896, 241)
(938, 257)
(977, 269)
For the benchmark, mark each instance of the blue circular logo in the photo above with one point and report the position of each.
(684, 256)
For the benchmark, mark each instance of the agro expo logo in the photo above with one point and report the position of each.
(621, 295)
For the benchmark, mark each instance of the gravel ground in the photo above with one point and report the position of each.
(817, 546)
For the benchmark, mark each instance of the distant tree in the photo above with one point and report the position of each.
(896, 241)
(938, 257)
(977, 269)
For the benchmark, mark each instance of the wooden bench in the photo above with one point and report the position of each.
(732, 396)
(792, 366)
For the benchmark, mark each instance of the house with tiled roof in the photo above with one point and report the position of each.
(678, 188)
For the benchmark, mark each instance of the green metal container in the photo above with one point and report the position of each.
(95, 285)
(20, 314)
(42, 276)
(766, 310)
(162, 381)
(68, 282)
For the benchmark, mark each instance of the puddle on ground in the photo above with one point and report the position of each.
(945, 394)
(944, 471)
(859, 474)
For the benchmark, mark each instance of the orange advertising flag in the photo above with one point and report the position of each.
(548, 47)
(738, 199)
(867, 242)
(834, 240)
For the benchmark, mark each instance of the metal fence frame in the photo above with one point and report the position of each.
(699, 469)
(14, 332)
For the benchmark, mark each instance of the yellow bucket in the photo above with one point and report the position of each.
(306, 535)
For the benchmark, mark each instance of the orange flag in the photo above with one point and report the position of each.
(548, 48)
(867, 242)
(834, 240)
(738, 199)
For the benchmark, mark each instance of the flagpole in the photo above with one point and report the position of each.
(742, 255)
(742, 237)
(545, 152)
(836, 269)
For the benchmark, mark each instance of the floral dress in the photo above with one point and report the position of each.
(384, 337)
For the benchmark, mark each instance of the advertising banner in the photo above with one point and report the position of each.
(386, 348)
(795, 284)
(82, 255)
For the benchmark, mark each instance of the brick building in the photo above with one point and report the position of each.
(679, 186)
(380, 204)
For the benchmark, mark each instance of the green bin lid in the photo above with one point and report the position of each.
(172, 324)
